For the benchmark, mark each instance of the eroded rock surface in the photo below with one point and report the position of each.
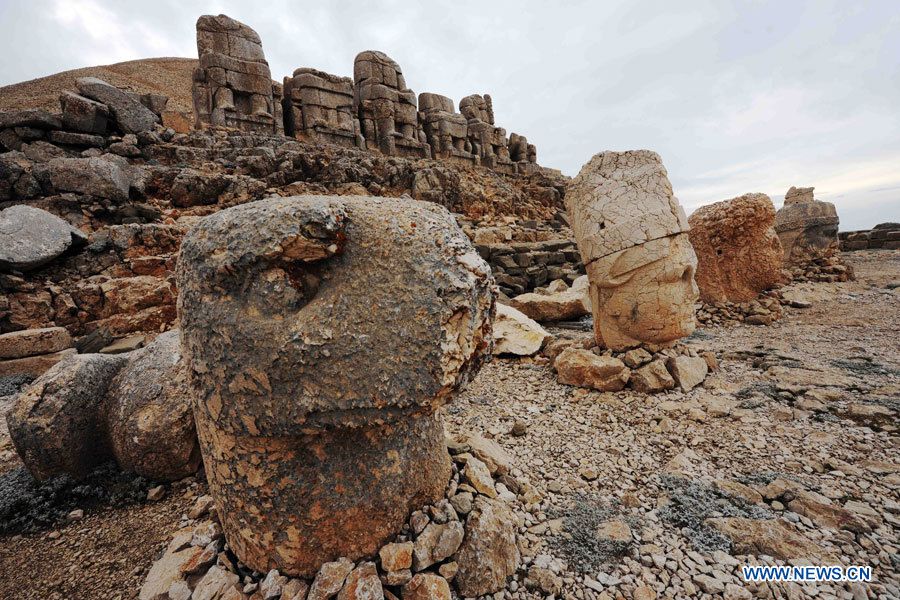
(738, 252)
(319, 349)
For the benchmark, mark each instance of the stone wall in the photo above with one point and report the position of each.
(885, 235)
(520, 267)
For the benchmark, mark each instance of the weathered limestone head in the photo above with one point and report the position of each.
(807, 227)
(322, 334)
(739, 254)
(632, 236)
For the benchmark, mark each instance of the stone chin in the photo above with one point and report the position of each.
(646, 294)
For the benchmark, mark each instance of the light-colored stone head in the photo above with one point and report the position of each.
(632, 236)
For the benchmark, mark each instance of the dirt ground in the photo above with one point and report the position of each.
(807, 399)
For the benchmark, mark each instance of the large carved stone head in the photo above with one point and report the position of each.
(632, 236)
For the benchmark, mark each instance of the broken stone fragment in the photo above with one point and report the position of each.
(90, 176)
(688, 371)
(577, 366)
(652, 378)
(55, 423)
(149, 416)
(515, 333)
(31, 342)
(772, 537)
(362, 584)
(632, 237)
(426, 586)
(83, 114)
(31, 237)
(130, 115)
(565, 305)
(489, 554)
(330, 579)
(273, 328)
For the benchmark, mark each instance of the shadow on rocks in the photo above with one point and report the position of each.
(27, 506)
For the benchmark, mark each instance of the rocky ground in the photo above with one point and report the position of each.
(794, 438)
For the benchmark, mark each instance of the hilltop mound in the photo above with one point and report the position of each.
(168, 76)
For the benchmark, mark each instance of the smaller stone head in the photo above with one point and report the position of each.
(807, 227)
(632, 236)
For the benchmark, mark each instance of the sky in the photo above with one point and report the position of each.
(736, 97)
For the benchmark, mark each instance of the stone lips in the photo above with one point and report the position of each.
(738, 252)
(319, 349)
(619, 200)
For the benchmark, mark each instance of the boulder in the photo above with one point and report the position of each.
(274, 330)
(568, 305)
(148, 413)
(489, 554)
(515, 333)
(31, 342)
(130, 115)
(651, 378)
(820, 511)
(55, 423)
(93, 176)
(31, 237)
(426, 586)
(577, 366)
(775, 538)
(362, 584)
(83, 114)
(738, 252)
(688, 371)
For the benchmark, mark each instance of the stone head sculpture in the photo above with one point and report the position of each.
(321, 336)
(739, 254)
(632, 236)
(807, 227)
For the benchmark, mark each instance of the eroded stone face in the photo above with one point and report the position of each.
(807, 227)
(632, 236)
(739, 254)
(319, 348)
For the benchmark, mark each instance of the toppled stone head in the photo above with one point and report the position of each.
(807, 227)
(632, 236)
(322, 334)
(739, 254)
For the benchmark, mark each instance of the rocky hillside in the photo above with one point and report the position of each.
(167, 76)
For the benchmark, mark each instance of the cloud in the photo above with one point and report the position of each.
(754, 96)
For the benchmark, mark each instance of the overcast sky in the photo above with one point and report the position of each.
(736, 97)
